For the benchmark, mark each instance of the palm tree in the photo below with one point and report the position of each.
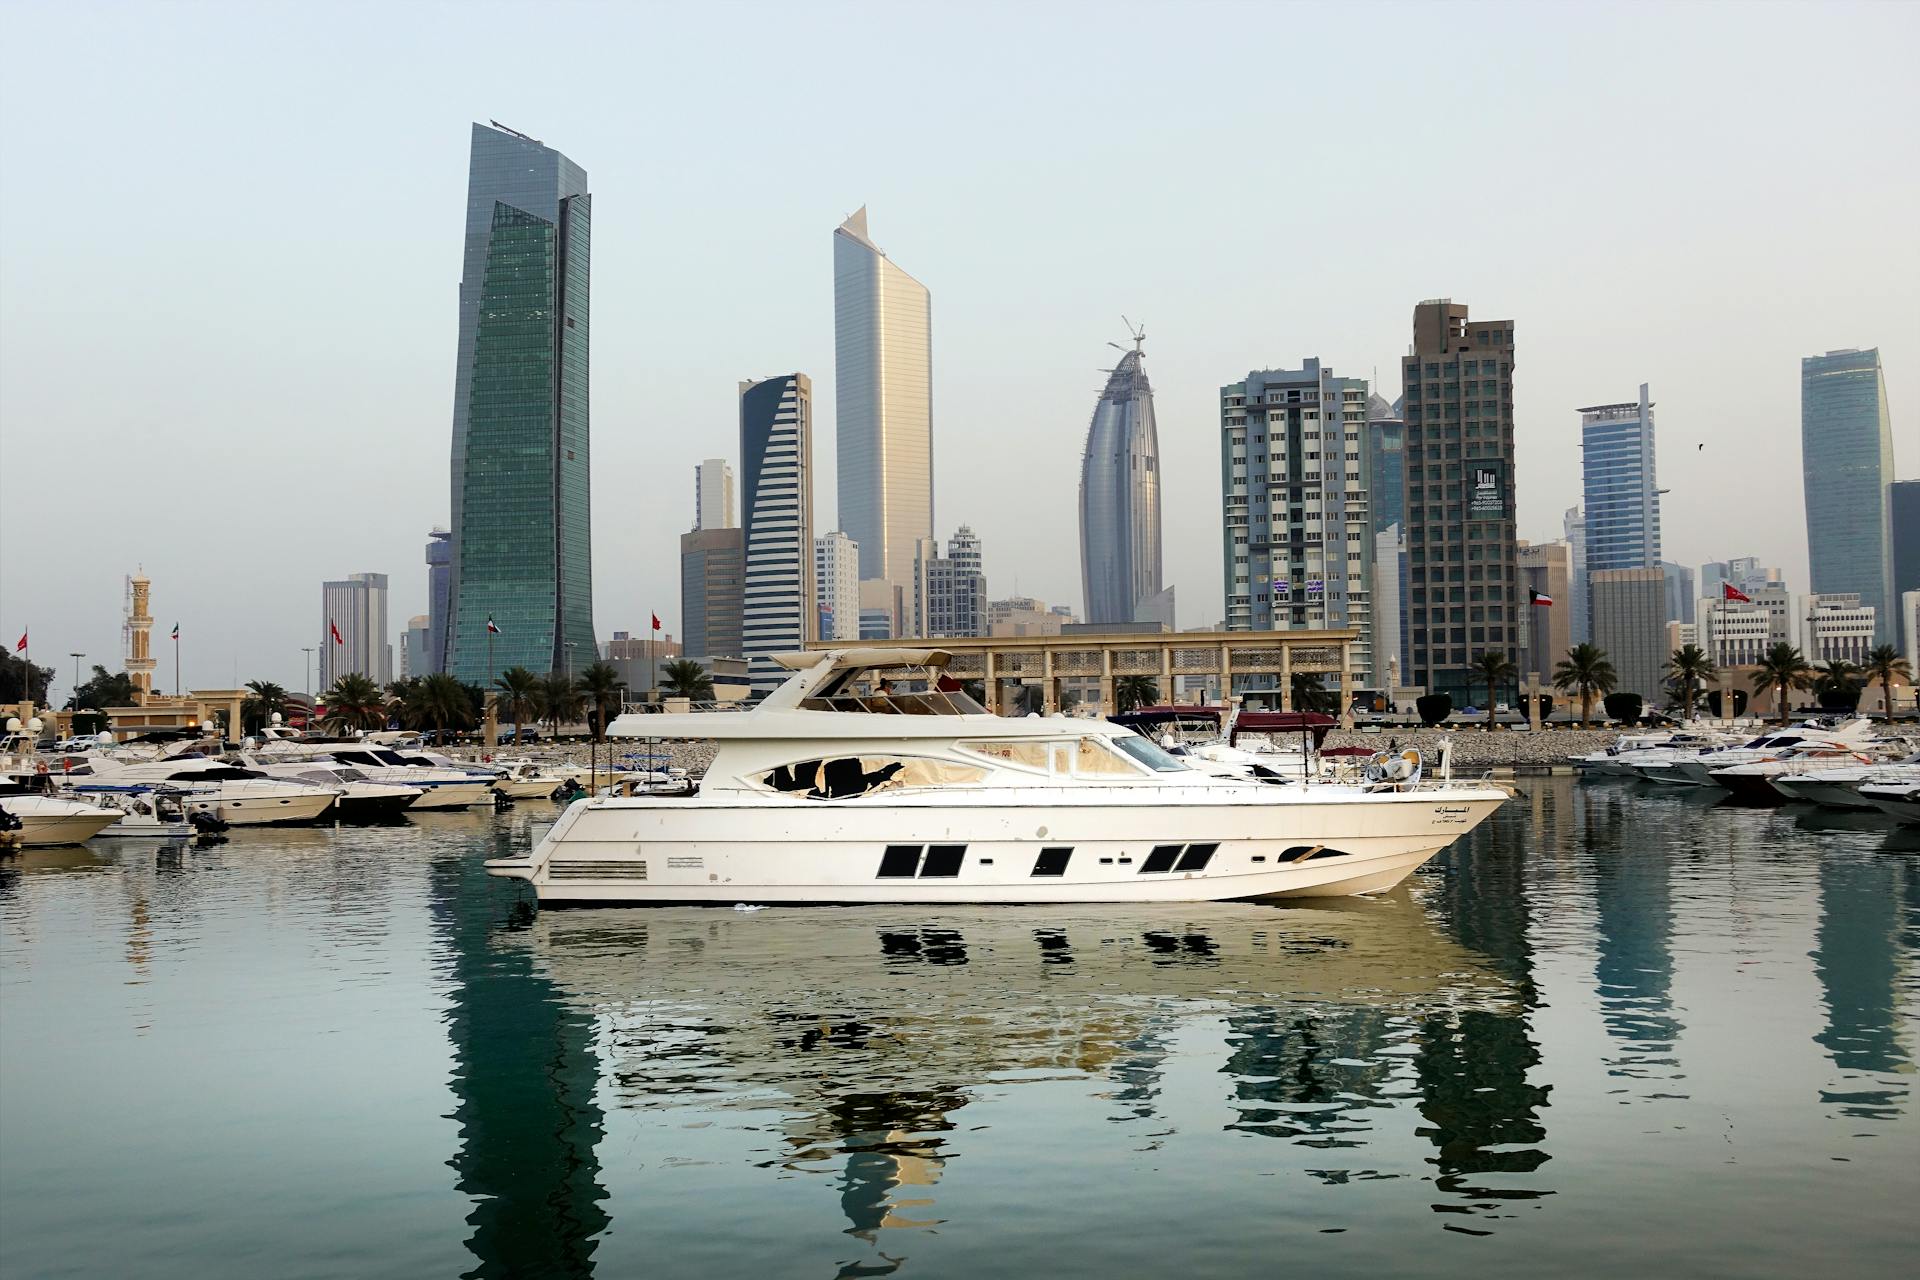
(600, 686)
(1837, 679)
(685, 678)
(1883, 664)
(521, 690)
(561, 699)
(264, 700)
(1782, 668)
(1687, 670)
(1587, 671)
(1495, 668)
(1133, 692)
(1310, 693)
(354, 702)
(440, 701)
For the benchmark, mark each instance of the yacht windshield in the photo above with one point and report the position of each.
(1148, 754)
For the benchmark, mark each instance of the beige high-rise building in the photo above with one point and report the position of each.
(1630, 624)
(1546, 568)
(883, 404)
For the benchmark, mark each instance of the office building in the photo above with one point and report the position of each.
(439, 600)
(1573, 528)
(776, 519)
(713, 494)
(1910, 629)
(1120, 496)
(1388, 565)
(1546, 568)
(836, 586)
(353, 629)
(1733, 633)
(522, 550)
(883, 609)
(1680, 591)
(712, 585)
(1837, 627)
(637, 660)
(415, 644)
(950, 591)
(1387, 502)
(1023, 616)
(1296, 530)
(883, 403)
(1463, 587)
(1620, 495)
(1744, 573)
(1846, 464)
(1630, 625)
(1903, 516)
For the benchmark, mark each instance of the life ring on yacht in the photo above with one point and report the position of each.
(40, 768)
(486, 759)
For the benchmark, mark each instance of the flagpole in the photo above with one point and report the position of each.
(178, 692)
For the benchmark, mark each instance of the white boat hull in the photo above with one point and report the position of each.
(452, 795)
(39, 829)
(527, 788)
(261, 810)
(660, 851)
(1904, 806)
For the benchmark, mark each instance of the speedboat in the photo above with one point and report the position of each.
(158, 814)
(1838, 786)
(30, 818)
(870, 777)
(1753, 781)
(1699, 769)
(524, 780)
(440, 787)
(1901, 799)
(361, 798)
(1631, 756)
(237, 796)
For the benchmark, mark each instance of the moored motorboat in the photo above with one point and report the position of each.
(237, 796)
(361, 798)
(1900, 799)
(1753, 781)
(33, 820)
(869, 777)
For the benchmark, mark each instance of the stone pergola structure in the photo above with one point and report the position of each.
(1164, 656)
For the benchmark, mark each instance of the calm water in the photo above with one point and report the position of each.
(1613, 1030)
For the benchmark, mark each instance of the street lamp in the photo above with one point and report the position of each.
(76, 678)
(570, 645)
(308, 650)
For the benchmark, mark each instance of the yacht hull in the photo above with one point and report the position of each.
(352, 808)
(1750, 788)
(263, 810)
(527, 788)
(454, 795)
(39, 829)
(1894, 802)
(661, 852)
(1832, 795)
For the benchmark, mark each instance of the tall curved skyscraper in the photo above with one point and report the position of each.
(1120, 497)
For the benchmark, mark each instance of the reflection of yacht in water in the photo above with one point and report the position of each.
(869, 777)
(857, 1036)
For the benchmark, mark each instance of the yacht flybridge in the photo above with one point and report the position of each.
(870, 777)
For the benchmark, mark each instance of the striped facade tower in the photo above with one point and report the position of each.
(776, 520)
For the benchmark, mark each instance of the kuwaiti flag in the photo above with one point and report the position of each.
(1538, 597)
(176, 631)
(336, 633)
(491, 629)
(1730, 592)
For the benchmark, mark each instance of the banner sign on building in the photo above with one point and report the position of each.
(1282, 589)
(1486, 492)
(1316, 586)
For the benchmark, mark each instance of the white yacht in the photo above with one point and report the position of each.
(48, 819)
(239, 797)
(1900, 799)
(1698, 770)
(361, 798)
(868, 777)
(1631, 756)
(522, 779)
(457, 787)
(1753, 780)
(1838, 786)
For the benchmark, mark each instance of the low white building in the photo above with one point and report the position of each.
(1732, 632)
(1837, 627)
(836, 585)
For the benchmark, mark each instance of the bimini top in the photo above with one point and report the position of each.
(855, 693)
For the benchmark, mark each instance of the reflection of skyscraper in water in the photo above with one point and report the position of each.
(1327, 1057)
(1633, 897)
(524, 1076)
(1482, 1113)
(1857, 959)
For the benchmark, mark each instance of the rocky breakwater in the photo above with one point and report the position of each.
(1476, 749)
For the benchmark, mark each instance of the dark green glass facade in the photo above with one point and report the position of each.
(522, 520)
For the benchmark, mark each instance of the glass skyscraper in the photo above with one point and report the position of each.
(522, 553)
(1621, 496)
(1120, 497)
(1846, 464)
(883, 404)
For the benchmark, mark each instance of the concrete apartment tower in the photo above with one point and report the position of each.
(1120, 568)
(1546, 568)
(1846, 464)
(1463, 584)
(522, 550)
(776, 521)
(1630, 623)
(1296, 531)
(1387, 500)
(883, 404)
(353, 629)
(836, 586)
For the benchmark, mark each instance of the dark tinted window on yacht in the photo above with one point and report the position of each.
(1196, 857)
(1052, 862)
(1308, 852)
(943, 860)
(900, 860)
(1161, 859)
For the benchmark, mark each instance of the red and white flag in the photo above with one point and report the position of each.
(1730, 592)
(336, 633)
(491, 629)
(22, 646)
(1538, 597)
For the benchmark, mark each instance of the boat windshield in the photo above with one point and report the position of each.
(858, 775)
(885, 699)
(1148, 754)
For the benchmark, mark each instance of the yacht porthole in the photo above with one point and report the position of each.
(1040, 834)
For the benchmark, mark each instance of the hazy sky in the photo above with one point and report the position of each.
(230, 240)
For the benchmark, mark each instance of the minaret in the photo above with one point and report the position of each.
(139, 623)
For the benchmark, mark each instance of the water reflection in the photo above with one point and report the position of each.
(1857, 959)
(867, 1030)
(1633, 973)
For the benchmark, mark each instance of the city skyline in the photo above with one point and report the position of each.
(1006, 225)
